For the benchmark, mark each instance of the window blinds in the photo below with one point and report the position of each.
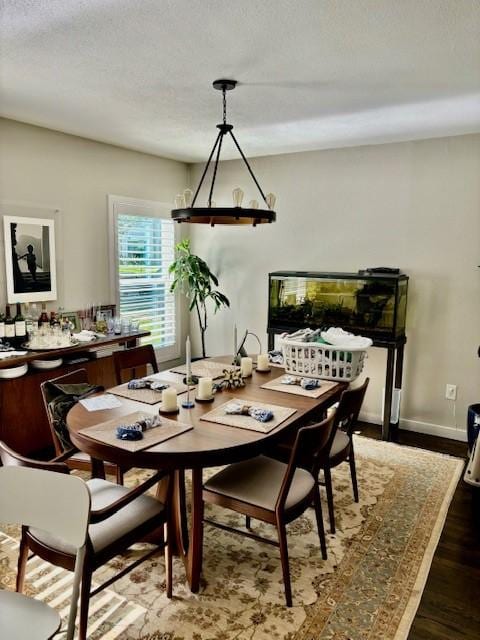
(145, 250)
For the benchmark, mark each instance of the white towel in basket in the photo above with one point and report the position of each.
(344, 340)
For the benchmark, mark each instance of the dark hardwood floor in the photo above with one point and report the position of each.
(450, 605)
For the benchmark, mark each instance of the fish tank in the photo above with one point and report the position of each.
(366, 303)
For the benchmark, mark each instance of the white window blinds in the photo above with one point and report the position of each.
(145, 247)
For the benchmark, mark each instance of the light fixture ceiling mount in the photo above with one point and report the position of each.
(186, 211)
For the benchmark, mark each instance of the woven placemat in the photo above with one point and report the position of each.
(105, 432)
(149, 396)
(205, 369)
(280, 414)
(295, 389)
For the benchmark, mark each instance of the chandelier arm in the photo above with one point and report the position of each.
(249, 168)
(206, 168)
(215, 169)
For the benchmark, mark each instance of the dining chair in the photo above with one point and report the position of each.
(275, 492)
(64, 450)
(119, 517)
(59, 505)
(340, 448)
(133, 362)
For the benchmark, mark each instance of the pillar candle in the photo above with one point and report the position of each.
(205, 388)
(246, 366)
(169, 399)
(262, 362)
(235, 344)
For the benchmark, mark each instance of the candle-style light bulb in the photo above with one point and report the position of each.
(271, 199)
(237, 197)
(188, 195)
(180, 201)
(253, 204)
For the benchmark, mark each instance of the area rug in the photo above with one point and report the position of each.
(369, 588)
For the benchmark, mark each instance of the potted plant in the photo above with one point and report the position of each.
(193, 277)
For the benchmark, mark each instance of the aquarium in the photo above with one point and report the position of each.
(373, 305)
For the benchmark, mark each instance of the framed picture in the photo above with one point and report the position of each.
(30, 259)
(72, 316)
(108, 311)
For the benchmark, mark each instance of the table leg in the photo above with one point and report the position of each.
(188, 544)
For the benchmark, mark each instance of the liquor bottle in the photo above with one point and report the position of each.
(2, 326)
(43, 319)
(9, 326)
(29, 320)
(20, 327)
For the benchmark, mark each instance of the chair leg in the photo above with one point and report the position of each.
(319, 516)
(84, 602)
(248, 522)
(282, 539)
(353, 473)
(168, 560)
(22, 564)
(329, 490)
(119, 474)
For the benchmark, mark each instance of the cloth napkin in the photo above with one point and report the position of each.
(141, 383)
(275, 357)
(257, 413)
(306, 383)
(135, 431)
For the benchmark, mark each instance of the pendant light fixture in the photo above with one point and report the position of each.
(185, 209)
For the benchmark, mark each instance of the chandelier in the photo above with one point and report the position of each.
(185, 209)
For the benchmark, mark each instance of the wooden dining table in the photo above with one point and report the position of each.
(207, 444)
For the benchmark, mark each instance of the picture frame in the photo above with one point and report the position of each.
(74, 318)
(108, 310)
(30, 259)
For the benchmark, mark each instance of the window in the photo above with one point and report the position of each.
(142, 247)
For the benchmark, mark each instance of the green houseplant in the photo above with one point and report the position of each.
(193, 277)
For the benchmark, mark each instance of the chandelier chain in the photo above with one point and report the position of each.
(224, 91)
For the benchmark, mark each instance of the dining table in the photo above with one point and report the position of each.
(206, 444)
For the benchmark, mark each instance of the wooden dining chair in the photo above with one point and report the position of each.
(133, 362)
(59, 505)
(340, 448)
(119, 517)
(275, 492)
(65, 451)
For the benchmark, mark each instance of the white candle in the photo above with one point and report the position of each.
(169, 399)
(246, 366)
(235, 342)
(189, 360)
(262, 362)
(205, 388)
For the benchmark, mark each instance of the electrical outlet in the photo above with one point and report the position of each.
(451, 392)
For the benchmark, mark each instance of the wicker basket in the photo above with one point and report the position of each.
(322, 360)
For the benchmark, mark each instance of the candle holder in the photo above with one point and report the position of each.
(162, 412)
(209, 399)
(188, 403)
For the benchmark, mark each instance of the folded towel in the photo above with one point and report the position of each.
(258, 413)
(135, 431)
(306, 383)
(344, 340)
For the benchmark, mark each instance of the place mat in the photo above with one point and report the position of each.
(105, 432)
(205, 369)
(149, 396)
(295, 389)
(218, 415)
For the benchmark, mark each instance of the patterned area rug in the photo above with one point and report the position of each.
(369, 588)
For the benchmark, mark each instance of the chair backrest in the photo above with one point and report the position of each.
(10, 458)
(348, 409)
(54, 502)
(307, 453)
(132, 360)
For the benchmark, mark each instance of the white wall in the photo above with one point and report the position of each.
(413, 205)
(43, 170)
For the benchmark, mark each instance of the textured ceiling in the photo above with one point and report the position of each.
(313, 73)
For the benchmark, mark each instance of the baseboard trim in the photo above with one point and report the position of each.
(421, 427)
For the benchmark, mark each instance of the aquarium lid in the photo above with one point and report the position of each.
(338, 275)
